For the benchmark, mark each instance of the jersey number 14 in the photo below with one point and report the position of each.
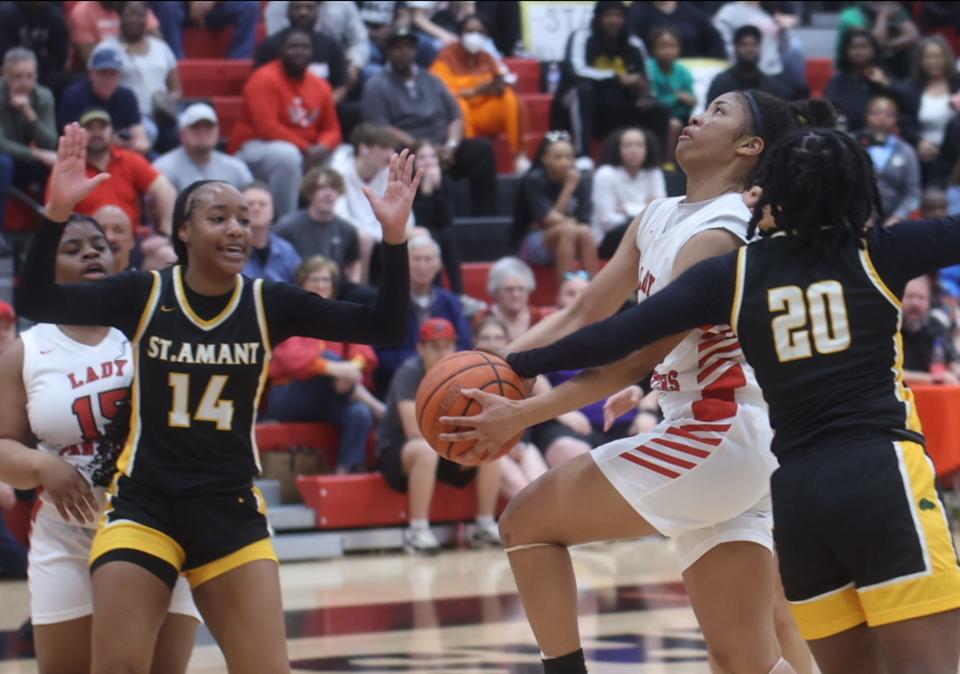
(211, 407)
(820, 313)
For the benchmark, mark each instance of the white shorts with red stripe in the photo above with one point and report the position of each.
(701, 483)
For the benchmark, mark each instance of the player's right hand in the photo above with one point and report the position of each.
(69, 491)
(619, 404)
(69, 184)
(492, 427)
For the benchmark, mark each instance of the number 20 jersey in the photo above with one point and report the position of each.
(196, 388)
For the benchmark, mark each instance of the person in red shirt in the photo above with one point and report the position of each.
(288, 122)
(131, 176)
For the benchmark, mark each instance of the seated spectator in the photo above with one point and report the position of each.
(315, 380)
(132, 179)
(379, 19)
(158, 253)
(150, 71)
(524, 463)
(197, 157)
(366, 164)
(101, 88)
(93, 22)
(316, 231)
(8, 325)
(672, 84)
(118, 230)
(745, 73)
(604, 84)
(288, 121)
(271, 257)
(860, 78)
(415, 104)
(328, 60)
(243, 16)
(426, 301)
(698, 36)
(41, 28)
(934, 82)
(476, 79)
(510, 283)
(28, 134)
(890, 24)
(929, 356)
(408, 463)
(628, 179)
(894, 161)
(553, 208)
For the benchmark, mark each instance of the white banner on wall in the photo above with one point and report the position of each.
(547, 25)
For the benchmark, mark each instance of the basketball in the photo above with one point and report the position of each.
(439, 396)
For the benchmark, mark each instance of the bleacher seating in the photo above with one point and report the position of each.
(206, 77)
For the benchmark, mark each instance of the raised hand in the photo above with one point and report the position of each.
(69, 184)
(393, 208)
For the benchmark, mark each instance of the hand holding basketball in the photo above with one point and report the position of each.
(496, 427)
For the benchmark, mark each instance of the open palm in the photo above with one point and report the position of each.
(393, 208)
(69, 183)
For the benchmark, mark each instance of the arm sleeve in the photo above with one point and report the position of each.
(117, 301)
(578, 58)
(702, 294)
(292, 311)
(909, 249)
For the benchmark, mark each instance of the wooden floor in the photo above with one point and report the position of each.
(456, 612)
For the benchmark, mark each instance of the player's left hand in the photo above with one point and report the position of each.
(393, 208)
(494, 426)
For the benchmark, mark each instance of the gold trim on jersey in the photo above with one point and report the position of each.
(738, 287)
(191, 315)
(265, 367)
(130, 535)
(125, 460)
(904, 394)
(262, 549)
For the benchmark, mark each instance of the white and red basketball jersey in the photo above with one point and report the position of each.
(72, 393)
(706, 375)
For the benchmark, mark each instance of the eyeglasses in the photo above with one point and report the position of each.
(556, 136)
(580, 274)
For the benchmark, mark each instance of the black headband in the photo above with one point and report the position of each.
(755, 111)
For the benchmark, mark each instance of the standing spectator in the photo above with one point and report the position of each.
(409, 465)
(426, 301)
(698, 37)
(553, 208)
(861, 78)
(926, 338)
(415, 104)
(934, 81)
(132, 179)
(197, 157)
(891, 26)
(894, 161)
(92, 22)
(476, 79)
(328, 61)
(288, 121)
(510, 283)
(41, 28)
(604, 84)
(671, 82)
(101, 88)
(316, 231)
(316, 380)
(118, 230)
(745, 72)
(271, 257)
(28, 133)
(628, 179)
(150, 71)
(243, 16)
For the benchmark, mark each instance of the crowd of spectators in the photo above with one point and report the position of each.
(336, 87)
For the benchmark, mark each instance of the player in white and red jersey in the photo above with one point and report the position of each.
(701, 476)
(67, 386)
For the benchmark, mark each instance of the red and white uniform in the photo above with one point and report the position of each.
(701, 476)
(71, 392)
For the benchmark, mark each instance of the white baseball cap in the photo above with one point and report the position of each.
(197, 112)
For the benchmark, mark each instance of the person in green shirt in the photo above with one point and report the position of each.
(891, 25)
(670, 82)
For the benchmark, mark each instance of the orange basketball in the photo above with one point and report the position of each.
(439, 396)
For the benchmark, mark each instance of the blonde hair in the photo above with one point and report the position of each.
(317, 263)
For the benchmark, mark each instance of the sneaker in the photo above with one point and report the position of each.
(472, 305)
(420, 541)
(484, 535)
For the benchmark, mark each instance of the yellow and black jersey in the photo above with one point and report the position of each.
(200, 362)
(822, 331)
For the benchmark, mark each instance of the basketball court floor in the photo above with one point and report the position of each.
(455, 612)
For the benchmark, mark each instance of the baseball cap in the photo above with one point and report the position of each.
(198, 112)
(401, 33)
(105, 58)
(435, 329)
(6, 312)
(95, 113)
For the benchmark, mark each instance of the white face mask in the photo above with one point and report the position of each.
(473, 42)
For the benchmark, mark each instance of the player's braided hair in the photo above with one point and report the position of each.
(182, 208)
(821, 189)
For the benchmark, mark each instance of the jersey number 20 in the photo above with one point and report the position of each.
(211, 407)
(821, 311)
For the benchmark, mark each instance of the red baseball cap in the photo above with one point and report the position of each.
(435, 329)
(6, 312)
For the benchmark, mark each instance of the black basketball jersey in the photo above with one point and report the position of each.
(196, 389)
